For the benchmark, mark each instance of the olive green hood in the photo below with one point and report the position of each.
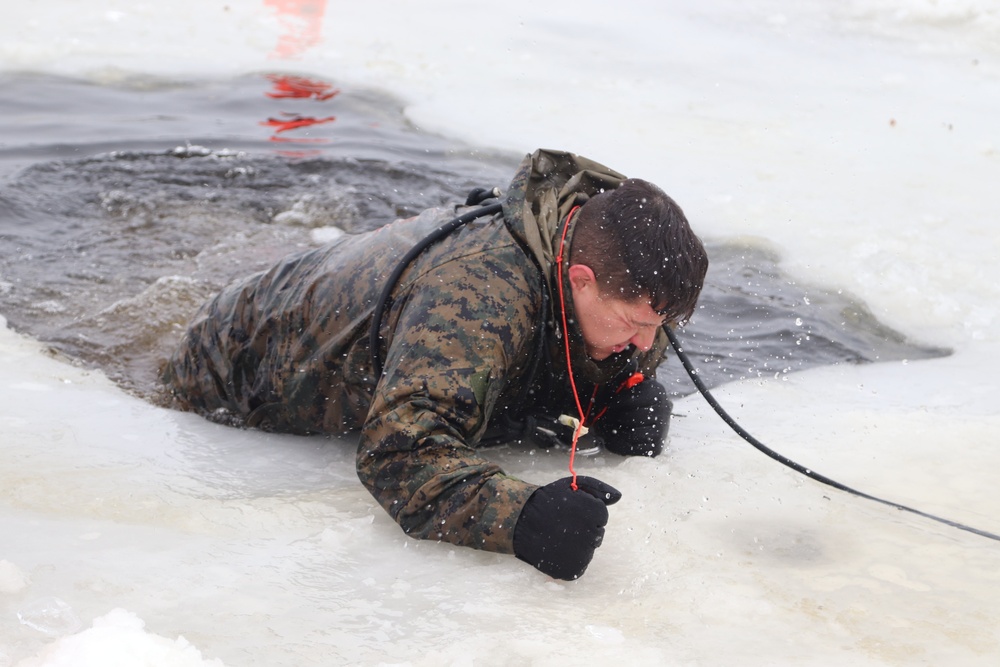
(546, 187)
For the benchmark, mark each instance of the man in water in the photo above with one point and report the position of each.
(551, 305)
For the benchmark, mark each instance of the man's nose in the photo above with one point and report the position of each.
(644, 338)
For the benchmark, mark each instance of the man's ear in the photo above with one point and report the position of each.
(581, 277)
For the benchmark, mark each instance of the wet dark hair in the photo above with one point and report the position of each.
(639, 245)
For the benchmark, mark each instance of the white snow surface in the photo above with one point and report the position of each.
(857, 139)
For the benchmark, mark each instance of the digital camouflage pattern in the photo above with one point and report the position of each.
(468, 344)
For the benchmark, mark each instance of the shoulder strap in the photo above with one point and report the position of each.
(477, 196)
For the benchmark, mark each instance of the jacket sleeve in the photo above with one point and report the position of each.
(463, 334)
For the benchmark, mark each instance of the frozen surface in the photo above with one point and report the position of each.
(859, 140)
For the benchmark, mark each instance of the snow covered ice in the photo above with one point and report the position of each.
(857, 140)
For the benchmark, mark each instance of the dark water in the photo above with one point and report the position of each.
(124, 205)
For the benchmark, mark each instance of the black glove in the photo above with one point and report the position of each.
(560, 528)
(636, 420)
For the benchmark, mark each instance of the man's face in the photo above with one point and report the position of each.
(609, 324)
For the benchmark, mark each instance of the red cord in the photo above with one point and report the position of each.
(569, 362)
(633, 380)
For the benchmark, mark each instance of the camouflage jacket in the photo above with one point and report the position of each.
(470, 338)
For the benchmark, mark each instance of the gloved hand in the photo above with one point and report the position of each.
(636, 420)
(559, 528)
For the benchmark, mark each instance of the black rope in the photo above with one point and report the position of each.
(784, 460)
